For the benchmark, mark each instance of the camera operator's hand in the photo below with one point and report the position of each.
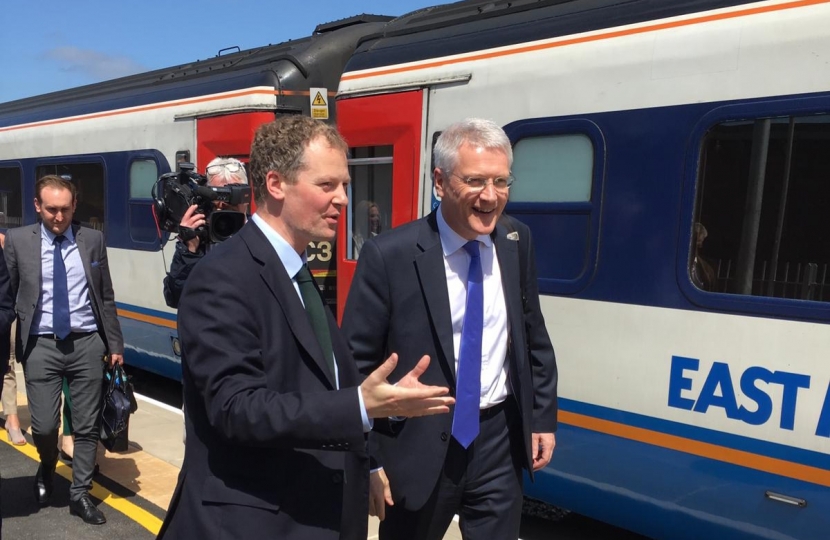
(191, 220)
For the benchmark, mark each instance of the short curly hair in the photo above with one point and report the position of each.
(280, 145)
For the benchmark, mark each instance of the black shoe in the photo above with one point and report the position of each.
(86, 509)
(43, 484)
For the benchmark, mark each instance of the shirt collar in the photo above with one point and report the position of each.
(50, 236)
(289, 258)
(451, 241)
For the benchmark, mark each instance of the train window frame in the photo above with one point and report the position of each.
(542, 188)
(142, 204)
(68, 161)
(750, 110)
(4, 224)
(132, 180)
(592, 209)
(376, 156)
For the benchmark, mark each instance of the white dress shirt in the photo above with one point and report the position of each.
(494, 387)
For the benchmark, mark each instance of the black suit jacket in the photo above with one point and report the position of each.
(25, 266)
(399, 303)
(273, 450)
(6, 312)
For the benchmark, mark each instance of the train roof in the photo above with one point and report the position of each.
(319, 56)
(473, 25)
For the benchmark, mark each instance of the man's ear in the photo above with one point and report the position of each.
(275, 185)
(438, 178)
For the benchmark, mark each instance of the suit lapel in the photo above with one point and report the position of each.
(33, 249)
(282, 288)
(83, 250)
(433, 280)
(507, 252)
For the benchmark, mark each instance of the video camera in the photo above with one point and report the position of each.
(175, 192)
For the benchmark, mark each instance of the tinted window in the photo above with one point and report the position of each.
(143, 174)
(553, 168)
(89, 181)
(763, 198)
(371, 195)
(11, 197)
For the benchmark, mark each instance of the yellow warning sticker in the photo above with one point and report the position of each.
(319, 103)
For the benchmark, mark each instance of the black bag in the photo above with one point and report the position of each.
(119, 403)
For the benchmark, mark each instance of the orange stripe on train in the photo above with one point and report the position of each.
(780, 467)
(587, 39)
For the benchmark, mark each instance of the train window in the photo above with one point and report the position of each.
(553, 168)
(143, 174)
(89, 181)
(11, 197)
(762, 199)
(371, 194)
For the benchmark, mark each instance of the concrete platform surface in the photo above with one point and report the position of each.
(143, 477)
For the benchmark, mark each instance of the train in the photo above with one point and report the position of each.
(670, 162)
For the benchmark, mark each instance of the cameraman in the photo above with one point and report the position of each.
(189, 248)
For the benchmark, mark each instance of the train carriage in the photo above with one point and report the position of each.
(115, 138)
(670, 161)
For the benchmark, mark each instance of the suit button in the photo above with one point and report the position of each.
(444, 436)
(337, 478)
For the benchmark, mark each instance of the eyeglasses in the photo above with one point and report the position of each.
(230, 166)
(477, 183)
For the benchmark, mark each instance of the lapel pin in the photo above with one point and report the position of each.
(513, 236)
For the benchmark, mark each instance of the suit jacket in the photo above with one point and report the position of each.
(23, 258)
(273, 449)
(399, 303)
(6, 312)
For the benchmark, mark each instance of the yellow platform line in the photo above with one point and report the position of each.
(129, 509)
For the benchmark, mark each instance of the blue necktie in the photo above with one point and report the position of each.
(60, 294)
(468, 379)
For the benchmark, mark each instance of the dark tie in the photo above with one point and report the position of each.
(60, 293)
(465, 422)
(316, 313)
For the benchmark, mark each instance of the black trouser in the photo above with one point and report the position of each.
(482, 484)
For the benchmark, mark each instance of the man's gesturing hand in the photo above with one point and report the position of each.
(409, 398)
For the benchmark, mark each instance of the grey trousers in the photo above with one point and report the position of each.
(45, 363)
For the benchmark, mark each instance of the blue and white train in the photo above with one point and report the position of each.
(671, 159)
(672, 162)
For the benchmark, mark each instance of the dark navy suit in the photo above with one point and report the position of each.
(273, 450)
(399, 302)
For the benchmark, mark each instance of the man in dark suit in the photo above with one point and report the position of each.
(6, 319)
(459, 286)
(275, 418)
(67, 324)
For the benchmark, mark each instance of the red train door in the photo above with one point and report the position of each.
(384, 134)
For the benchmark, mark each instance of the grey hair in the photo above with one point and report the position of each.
(476, 132)
(224, 176)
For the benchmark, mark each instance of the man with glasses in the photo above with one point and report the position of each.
(189, 248)
(460, 286)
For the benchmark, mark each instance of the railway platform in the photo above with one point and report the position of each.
(132, 488)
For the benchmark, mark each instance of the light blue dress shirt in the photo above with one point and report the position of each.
(81, 316)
